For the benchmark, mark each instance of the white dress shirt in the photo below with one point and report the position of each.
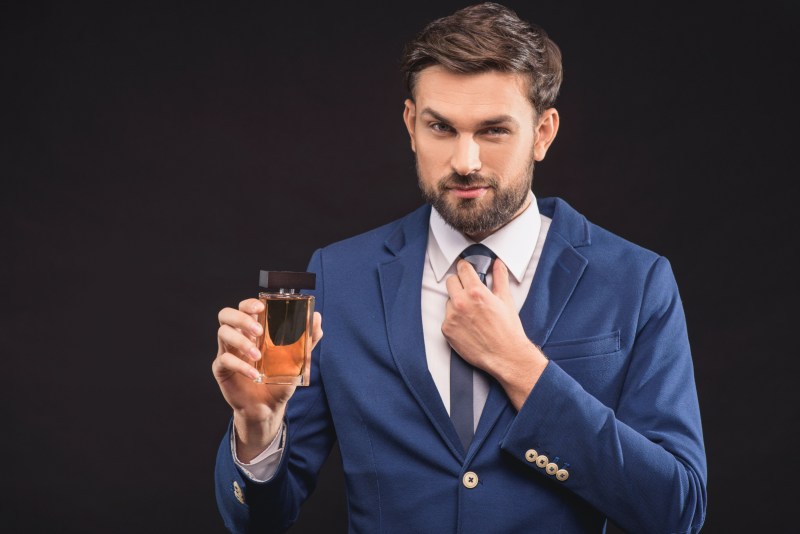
(518, 244)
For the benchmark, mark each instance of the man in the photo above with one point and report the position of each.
(544, 391)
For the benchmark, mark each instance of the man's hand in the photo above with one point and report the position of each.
(484, 328)
(257, 408)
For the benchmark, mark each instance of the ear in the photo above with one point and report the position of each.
(410, 118)
(546, 131)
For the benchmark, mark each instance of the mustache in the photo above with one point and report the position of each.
(474, 179)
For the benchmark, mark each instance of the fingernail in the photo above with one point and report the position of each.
(255, 353)
(257, 330)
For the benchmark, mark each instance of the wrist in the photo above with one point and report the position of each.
(521, 372)
(253, 435)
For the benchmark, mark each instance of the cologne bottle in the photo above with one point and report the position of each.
(287, 318)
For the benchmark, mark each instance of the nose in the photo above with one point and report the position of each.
(466, 156)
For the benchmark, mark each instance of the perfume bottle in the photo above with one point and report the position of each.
(287, 318)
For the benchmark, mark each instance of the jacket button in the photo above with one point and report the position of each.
(562, 475)
(470, 479)
(531, 455)
(542, 461)
(551, 468)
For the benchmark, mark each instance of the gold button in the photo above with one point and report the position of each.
(551, 468)
(470, 479)
(531, 455)
(562, 475)
(542, 461)
(237, 492)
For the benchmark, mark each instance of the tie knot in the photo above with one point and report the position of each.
(481, 258)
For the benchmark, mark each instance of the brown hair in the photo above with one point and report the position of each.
(486, 37)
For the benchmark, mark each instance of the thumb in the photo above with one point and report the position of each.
(316, 329)
(500, 284)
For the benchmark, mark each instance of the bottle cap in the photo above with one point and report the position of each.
(275, 280)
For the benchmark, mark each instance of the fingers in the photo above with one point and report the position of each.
(467, 274)
(241, 320)
(453, 284)
(500, 283)
(251, 306)
(227, 364)
(233, 339)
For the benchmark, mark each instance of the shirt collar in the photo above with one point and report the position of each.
(513, 243)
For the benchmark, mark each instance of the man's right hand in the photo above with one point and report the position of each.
(258, 409)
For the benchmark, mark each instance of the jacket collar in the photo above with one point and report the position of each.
(567, 222)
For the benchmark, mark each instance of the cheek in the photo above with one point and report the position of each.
(504, 159)
(521, 154)
(431, 159)
(431, 151)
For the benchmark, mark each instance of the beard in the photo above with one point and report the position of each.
(476, 216)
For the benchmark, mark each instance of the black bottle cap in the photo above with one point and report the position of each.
(275, 280)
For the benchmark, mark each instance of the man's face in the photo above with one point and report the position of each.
(476, 137)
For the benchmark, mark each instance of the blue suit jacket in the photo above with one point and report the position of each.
(616, 407)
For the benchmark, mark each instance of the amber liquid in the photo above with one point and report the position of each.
(286, 344)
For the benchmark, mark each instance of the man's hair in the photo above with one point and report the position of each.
(488, 37)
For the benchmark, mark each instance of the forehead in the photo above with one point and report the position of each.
(473, 97)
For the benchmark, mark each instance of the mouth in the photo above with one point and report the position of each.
(468, 191)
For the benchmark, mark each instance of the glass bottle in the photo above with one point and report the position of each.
(287, 321)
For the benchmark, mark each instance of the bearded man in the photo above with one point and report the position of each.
(492, 362)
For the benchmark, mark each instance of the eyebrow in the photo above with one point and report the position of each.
(493, 121)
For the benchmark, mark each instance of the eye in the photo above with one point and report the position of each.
(440, 127)
(496, 131)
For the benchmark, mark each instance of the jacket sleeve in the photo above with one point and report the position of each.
(644, 466)
(273, 506)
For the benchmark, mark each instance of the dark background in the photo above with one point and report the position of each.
(155, 156)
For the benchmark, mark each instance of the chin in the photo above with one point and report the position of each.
(471, 204)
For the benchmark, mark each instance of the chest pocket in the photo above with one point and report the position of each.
(596, 362)
(583, 348)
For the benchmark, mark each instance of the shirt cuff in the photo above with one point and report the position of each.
(263, 466)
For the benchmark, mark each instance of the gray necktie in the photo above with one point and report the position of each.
(461, 413)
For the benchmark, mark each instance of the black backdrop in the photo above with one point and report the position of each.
(155, 156)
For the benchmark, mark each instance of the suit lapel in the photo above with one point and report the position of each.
(401, 287)
(559, 270)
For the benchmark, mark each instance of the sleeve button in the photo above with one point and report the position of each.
(237, 492)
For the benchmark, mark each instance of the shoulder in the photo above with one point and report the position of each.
(379, 242)
(590, 239)
(615, 267)
(610, 257)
